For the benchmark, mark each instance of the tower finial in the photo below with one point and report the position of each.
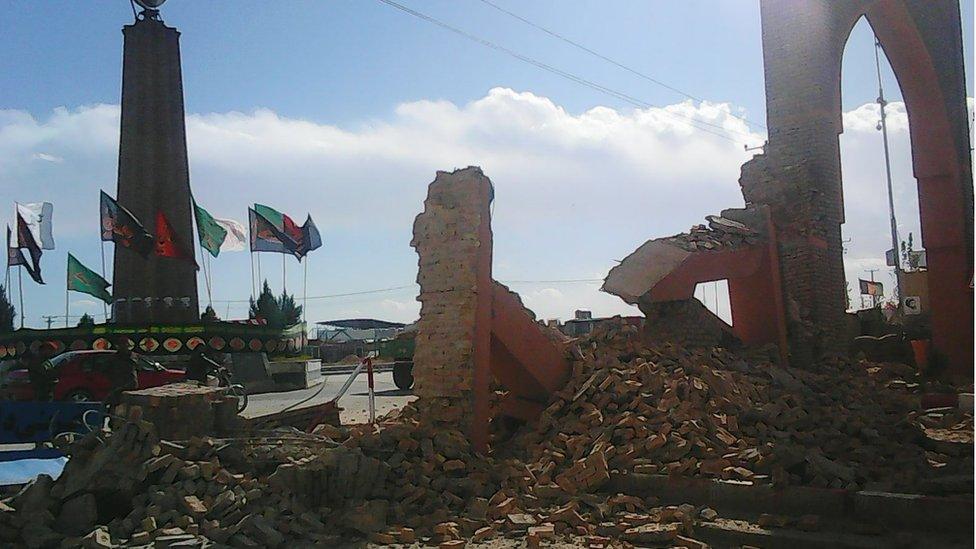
(150, 9)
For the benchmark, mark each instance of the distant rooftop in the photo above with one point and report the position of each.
(361, 323)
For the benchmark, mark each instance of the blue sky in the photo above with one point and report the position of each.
(345, 110)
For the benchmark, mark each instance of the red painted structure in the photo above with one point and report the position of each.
(523, 358)
(755, 291)
(510, 346)
(799, 176)
(945, 182)
(660, 271)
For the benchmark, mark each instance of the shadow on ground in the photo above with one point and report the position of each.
(388, 392)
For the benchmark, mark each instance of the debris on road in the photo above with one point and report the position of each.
(629, 408)
(670, 410)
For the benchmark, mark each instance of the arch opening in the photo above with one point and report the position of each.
(928, 66)
(866, 233)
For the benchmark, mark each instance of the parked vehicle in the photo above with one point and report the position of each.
(401, 350)
(82, 376)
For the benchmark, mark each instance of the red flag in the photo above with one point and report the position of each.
(167, 243)
(291, 228)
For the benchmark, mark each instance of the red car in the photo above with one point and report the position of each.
(82, 377)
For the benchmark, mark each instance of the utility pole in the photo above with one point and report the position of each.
(891, 199)
(49, 320)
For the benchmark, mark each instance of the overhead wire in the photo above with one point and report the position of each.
(557, 281)
(691, 121)
(614, 62)
(330, 296)
(408, 286)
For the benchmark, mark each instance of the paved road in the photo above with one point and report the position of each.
(355, 403)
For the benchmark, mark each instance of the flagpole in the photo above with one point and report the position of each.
(206, 277)
(104, 305)
(251, 239)
(20, 284)
(260, 281)
(283, 286)
(209, 275)
(7, 283)
(66, 281)
(305, 290)
(251, 252)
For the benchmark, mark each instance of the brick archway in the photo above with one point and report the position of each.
(799, 175)
(943, 170)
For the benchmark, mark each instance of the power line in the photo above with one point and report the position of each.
(51, 318)
(562, 281)
(631, 70)
(407, 286)
(569, 76)
(330, 296)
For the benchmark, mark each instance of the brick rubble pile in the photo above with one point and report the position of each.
(400, 483)
(719, 234)
(629, 408)
(669, 410)
(445, 495)
(127, 487)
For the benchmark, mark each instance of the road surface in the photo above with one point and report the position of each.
(355, 403)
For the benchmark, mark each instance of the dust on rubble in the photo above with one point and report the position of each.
(630, 407)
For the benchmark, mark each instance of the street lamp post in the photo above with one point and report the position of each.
(891, 199)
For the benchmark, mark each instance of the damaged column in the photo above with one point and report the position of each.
(472, 330)
(453, 240)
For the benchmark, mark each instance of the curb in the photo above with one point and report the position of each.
(348, 369)
(891, 511)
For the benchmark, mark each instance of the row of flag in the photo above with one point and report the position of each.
(270, 231)
(121, 227)
(273, 231)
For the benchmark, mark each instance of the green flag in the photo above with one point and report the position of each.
(84, 280)
(211, 234)
(274, 216)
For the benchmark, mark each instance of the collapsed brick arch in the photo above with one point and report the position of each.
(799, 176)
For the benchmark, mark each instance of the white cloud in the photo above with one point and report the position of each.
(574, 191)
(399, 308)
(549, 303)
(867, 231)
(47, 157)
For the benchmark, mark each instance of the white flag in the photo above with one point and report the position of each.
(39, 217)
(236, 240)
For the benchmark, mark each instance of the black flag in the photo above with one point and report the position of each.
(25, 239)
(121, 227)
(15, 257)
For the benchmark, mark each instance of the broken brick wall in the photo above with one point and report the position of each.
(454, 251)
(799, 174)
(684, 322)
